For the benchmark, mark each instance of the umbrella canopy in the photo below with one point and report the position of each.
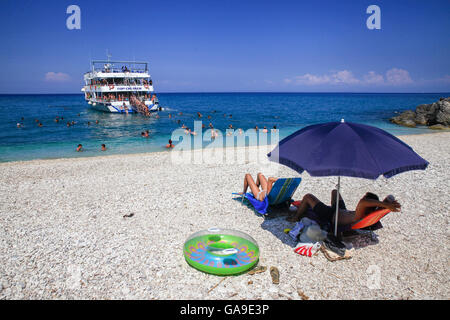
(346, 149)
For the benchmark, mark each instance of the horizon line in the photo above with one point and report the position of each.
(253, 92)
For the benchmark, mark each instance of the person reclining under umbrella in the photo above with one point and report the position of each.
(367, 204)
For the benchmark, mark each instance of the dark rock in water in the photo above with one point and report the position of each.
(436, 115)
(405, 119)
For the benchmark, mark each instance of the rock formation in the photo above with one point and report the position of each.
(435, 115)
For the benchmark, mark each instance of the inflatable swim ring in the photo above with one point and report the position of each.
(221, 251)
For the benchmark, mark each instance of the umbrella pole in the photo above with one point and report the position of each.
(337, 206)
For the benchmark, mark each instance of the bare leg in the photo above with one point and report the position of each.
(308, 201)
(333, 197)
(249, 182)
(261, 181)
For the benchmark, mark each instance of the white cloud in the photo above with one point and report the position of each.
(397, 76)
(373, 78)
(57, 77)
(339, 77)
(394, 76)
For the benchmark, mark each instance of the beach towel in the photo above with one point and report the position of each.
(260, 206)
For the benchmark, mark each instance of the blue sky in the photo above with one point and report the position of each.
(215, 46)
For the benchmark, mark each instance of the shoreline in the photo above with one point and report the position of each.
(64, 234)
(165, 151)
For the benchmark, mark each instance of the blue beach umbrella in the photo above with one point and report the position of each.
(346, 149)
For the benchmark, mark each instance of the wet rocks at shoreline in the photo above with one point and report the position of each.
(435, 115)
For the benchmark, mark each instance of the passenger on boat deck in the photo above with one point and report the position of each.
(183, 126)
(367, 204)
(265, 129)
(68, 124)
(240, 131)
(192, 132)
(19, 125)
(256, 128)
(80, 148)
(209, 117)
(274, 128)
(230, 126)
(103, 147)
(40, 124)
(199, 114)
(261, 182)
(211, 125)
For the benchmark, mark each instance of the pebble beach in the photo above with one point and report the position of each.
(113, 227)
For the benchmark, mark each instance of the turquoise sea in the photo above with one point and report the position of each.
(122, 133)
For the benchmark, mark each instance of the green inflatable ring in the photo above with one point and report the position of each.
(221, 251)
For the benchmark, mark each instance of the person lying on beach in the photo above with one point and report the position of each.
(261, 188)
(367, 204)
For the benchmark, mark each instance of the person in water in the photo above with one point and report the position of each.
(80, 148)
(367, 204)
(259, 188)
(103, 147)
(170, 145)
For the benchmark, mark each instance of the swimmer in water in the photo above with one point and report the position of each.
(170, 145)
(103, 147)
(80, 148)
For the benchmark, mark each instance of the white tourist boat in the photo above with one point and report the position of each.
(120, 87)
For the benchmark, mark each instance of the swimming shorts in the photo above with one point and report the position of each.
(326, 213)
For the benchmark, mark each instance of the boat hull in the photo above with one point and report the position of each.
(110, 108)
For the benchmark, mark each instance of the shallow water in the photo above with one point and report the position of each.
(122, 133)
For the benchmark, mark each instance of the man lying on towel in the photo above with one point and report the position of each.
(369, 203)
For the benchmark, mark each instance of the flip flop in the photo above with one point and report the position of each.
(258, 269)
(275, 274)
